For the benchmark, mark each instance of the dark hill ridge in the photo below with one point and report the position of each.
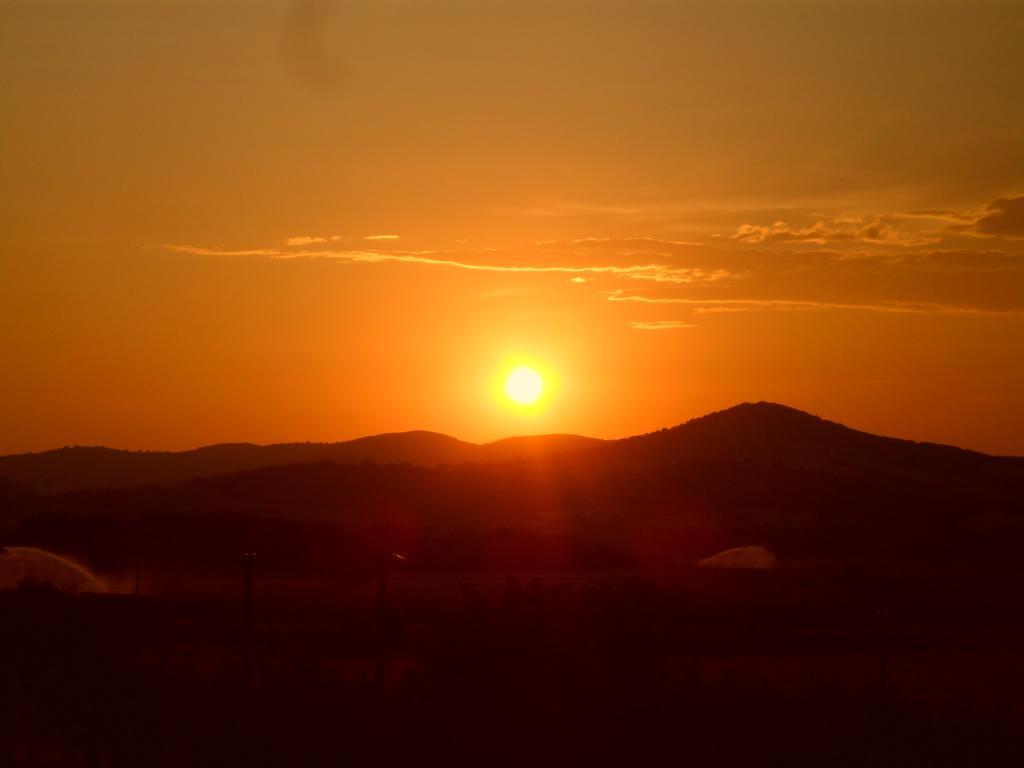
(82, 467)
(763, 433)
(536, 447)
(763, 473)
(768, 433)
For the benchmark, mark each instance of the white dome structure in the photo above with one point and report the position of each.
(21, 564)
(747, 558)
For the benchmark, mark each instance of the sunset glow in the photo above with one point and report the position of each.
(596, 380)
(292, 220)
(524, 385)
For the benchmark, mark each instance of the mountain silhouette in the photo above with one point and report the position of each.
(765, 433)
(87, 467)
(773, 434)
(756, 473)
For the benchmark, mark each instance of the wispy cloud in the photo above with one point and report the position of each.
(304, 240)
(878, 230)
(381, 237)
(938, 215)
(660, 325)
(204, 250)
(728, 276)
(701, 306)
(645, 242)
(654, 272)
(1000, 218)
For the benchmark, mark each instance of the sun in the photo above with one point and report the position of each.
(524, 385)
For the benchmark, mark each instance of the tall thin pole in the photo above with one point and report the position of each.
(382, 615)
(883, 638)
(248, 559)
(138, 553)
(382, 596)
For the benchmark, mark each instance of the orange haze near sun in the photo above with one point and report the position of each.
(241, 221)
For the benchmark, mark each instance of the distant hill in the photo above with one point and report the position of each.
(81, 467)
(765, 433)
(536, 447)
(758, 473)
(768, 433)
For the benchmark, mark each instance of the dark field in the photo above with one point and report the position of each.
(805, 665)
(549, 611)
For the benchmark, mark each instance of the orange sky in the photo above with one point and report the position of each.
(669, 207)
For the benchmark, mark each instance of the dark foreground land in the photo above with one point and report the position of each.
(892, 634)
(821, 665)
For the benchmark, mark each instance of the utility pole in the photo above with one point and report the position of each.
(382, 615)
(138, 553)
(248, 560)
(883, 638)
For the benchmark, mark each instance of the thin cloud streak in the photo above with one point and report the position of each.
(876, 231)
(701, 306)
(202, 250)
(658, 273)
(303, 240)
(660, 325)
(1001, 218)
(756, 274)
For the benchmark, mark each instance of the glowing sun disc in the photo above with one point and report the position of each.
(524, 385)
